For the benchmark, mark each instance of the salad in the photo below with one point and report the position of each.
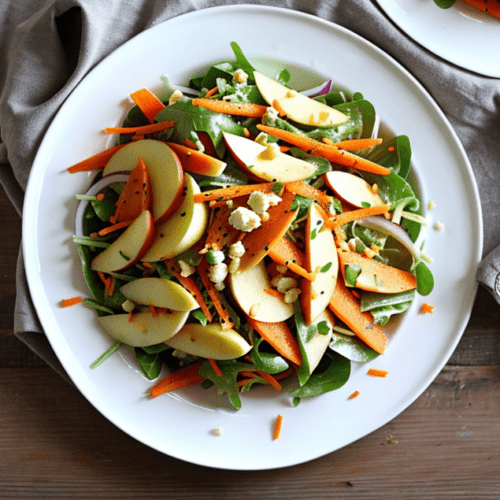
(242, 233)
(490, 7)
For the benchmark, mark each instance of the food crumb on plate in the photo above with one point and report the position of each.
(218, 431)
(438, 226)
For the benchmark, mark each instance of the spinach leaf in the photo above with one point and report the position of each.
(150, 364)
(106, 207)
(352, 348)
(425, 280)
(395, 153)
(304, 334)
(332, 373)
(242, 62)
(383, 314)
(373, 300)
(267, 361)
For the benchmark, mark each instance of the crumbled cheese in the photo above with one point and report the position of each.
(128, 306)
(262, 139)
(216, 256)
(186, 269)
(292, 295)
(259, 202)
(176, 96)
(276, 280)
(230, 203)
(438, 226)
(218, 432)
(219, 286)
(431, 205)
(240, 76)
(234, 265)
(236, 250)
(352, 245)
(218, 273)
(270, 115)
(285, 284)
(244, 219)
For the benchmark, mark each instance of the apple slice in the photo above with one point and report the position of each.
(266, 163)
(183, 229)
(159, 292)
(314, 350)
(209, 341)
(298, 107)
(129, 247)
(165, 172)
(248, 290)
(143, 329)
(352, 189)
(196, 162)
(320, 258)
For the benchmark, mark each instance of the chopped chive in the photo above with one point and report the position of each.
(106, 355)
(85, 197)
(126, 257)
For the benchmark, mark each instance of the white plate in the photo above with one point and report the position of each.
(462, 35)
(180, 425)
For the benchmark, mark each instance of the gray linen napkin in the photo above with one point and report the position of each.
(48, 46)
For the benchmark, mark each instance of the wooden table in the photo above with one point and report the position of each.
(54, 444)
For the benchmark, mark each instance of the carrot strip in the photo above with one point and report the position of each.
(277, 427)
(130, 316)
(111, 286)
(377, 373)
(287, 254)
(96, 161)
(142, 130)
(215, 367)
(229, 193)
(231, 108)
(179, 379)
(148, 103)
(355, 144)
(244, 381)
(278, 108)
(211, 92)
(114, 227)
(426, 308)
(274, 293)
(100, 197)
(331, 153)
(336, 221)
(487, 6)
(304, 189)
(191, 286)
(71, 302)
(285, 374)
(354, 395)
(270, 379)
(226, 322)
(152, 310)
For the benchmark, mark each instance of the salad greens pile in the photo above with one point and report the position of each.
(194, 123)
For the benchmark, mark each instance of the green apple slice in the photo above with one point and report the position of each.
(183, 229)
(248, 290)
(159, 292)
(165, 173)
(320, 258)
(144, 329)
(209, 341)
(298, 107)
(316, 347)
(129, 247)
(352, 189)
(267, 164)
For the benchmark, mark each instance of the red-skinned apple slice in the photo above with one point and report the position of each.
(264, 162)
(165, 172)
(298, 107)
(129, 247)
(352, 189)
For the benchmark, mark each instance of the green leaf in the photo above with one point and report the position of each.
(332, 373)
(154, 349)
(425, 279)
(323, 328)
(105, 208)
(373, 300)
(326, 267)
(242, 62)
(352, 348)
(199, 316)
(351, 273)
(106, 354)
(267, 361)
(150, 364)
(394, 153)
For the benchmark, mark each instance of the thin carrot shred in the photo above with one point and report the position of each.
(96, 161)
(215, 367)
(179, 379)
(270, 379)
(427, 308)
(71, 302)
(274, 293)
(130, 316)
(277, 427)
(244, 381)
(285, 374)
(355, 144)
(142, 130)
(354, 395)
(278, 108)
(377, 373)
(153, 310)
(100, 197)
(229, 193)
(212, 91)
(231, 108)
(148, 103)
(114, 227)
(336, 221)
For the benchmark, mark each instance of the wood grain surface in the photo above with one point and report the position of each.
(54, 444)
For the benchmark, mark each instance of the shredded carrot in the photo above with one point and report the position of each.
(110, 289)
(377, 373)
(277, 427)
(142, 130)
(274, 293)
(211, 92)
(285, 374)
(355, 144)
(114, 227)
(391, 148)
(148, 103)
(130, 316)
(231, 108)
(224, 194)
(244, 381)
(426, 308)
(284, 149)
(96, 161)
(190, 144)
(179, 379)
(331, 153)
(71, 302)
(226, 322)
(278, 108)
(355, 394)
(270, 379)
(100, 197)
(215, 367)
(336, 221)
(304, 189)
(152, 310)
(189, 283)
(148, 265)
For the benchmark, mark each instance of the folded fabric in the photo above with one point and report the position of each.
(48, 46)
